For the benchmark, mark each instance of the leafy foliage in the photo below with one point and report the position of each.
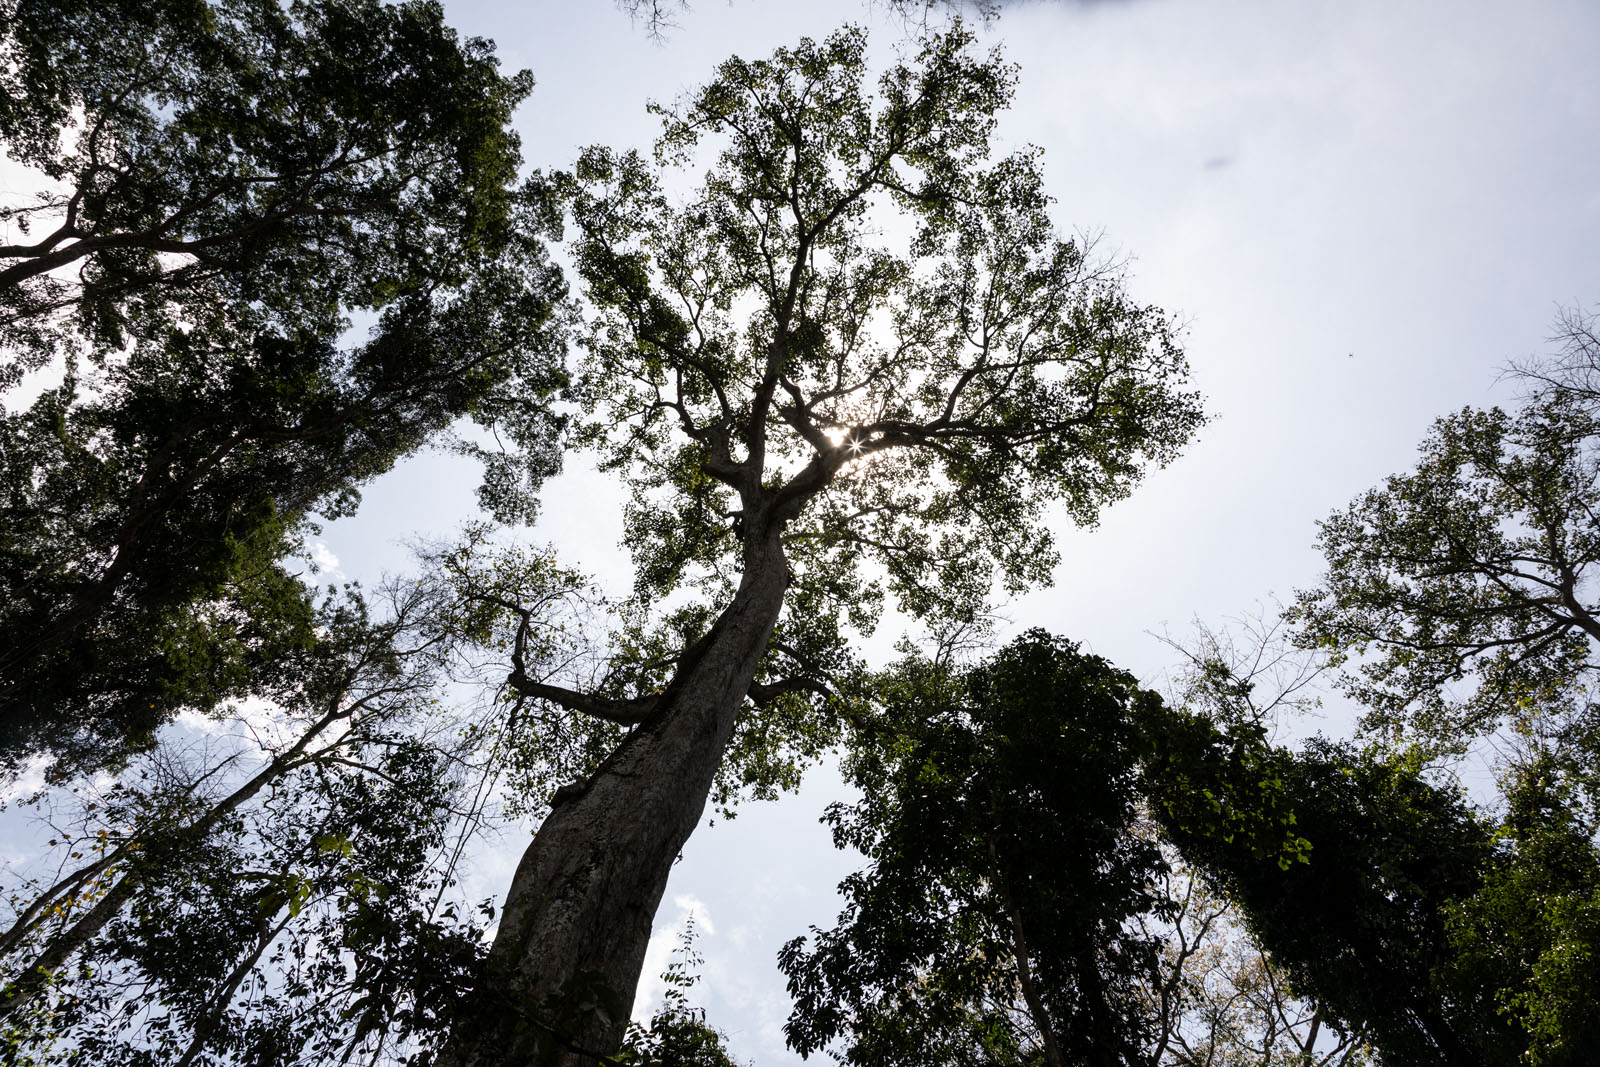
(1362, 924)
(1530, 935)
(1463, 592)
(998, 813)
(279, 890)
(1463, 589)
(305, 158)
(1474, 564)
(677, 1034)
(760, 363)
(757, 354)
(232, 183)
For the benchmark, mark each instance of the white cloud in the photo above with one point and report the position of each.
(324, 564)
(261, 719)
(30, 781)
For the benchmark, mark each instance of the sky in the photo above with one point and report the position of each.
(1362, 211)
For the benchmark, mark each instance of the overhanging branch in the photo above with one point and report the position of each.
(763, 693)
(628, 712)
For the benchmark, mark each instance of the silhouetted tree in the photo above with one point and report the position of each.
(1000, 816)
(1362, 925)
(1461, 594)
(791, 396)
(1463, 590)
(225, 186)
(304, 844)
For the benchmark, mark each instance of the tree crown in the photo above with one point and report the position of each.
(861, 337)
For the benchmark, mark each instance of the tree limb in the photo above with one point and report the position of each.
(630, 712)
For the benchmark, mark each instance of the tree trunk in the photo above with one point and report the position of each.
(1024, 965)
(565, 962)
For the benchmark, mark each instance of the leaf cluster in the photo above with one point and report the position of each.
(1463, 588)
(993, 924)
(238, 180)
(1361, 923)
(761, 361)
(274, 896)
(304, 158)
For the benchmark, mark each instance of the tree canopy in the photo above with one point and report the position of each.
(228, 188)
(294, 854)
(1463, 590)
(1362, 924)
(1469, 576)
(999, 814)
(834, 343)
(1461, 594)
(858, 361)
(306, 159)
(758, 357)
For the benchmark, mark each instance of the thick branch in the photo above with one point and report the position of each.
(629, 712)
(764, 693)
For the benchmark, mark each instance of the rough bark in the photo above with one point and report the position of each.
(566, 960)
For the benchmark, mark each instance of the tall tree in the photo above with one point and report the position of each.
(1463, 594)
(1362, 924)
(792, 396)
(1019, 907)
(1000, 813)
(213, 862)
(1464, 589)
(225, 186)
(1531, 933)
